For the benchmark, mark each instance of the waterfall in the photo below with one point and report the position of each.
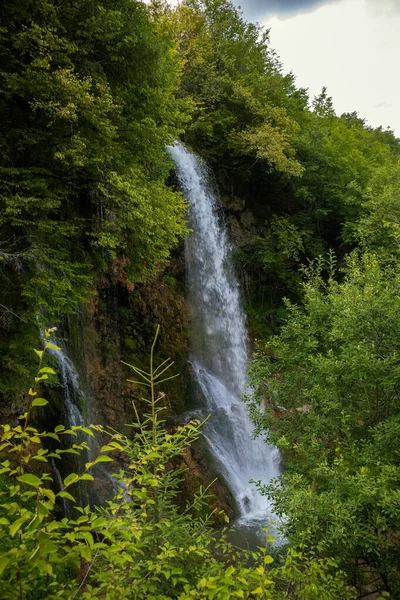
(74, 403)
(78, 413)
(219, 352)
(73, 395)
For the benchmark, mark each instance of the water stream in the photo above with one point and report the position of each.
(77, 413)
(219, 348)
(74, 406)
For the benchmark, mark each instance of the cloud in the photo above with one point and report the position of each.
(348, 48)
(384, 7)
(256, 9)
(384, 105)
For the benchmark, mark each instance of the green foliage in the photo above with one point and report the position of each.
(90, 95)
(278, 252)
(315, 578)
(329, 383)
(378, 226)
(139, 545)
(86, 108)
(87, 105)
(234, 83)
(341, 157)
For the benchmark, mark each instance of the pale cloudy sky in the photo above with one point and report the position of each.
(350, 46)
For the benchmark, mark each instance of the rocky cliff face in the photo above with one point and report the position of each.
(118, 325)
(240, 220)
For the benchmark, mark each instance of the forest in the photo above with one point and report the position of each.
(107, 488)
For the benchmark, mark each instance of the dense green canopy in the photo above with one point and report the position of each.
(91, 92)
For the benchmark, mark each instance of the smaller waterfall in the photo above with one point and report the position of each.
(219, 344)
(73, 395)
(74, 405)
(78, 413)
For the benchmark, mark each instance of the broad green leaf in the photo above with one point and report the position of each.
(99, 522)
(70, 479)
(102, 459)
(48, 370)
(49, 493)
(52, 346)
(86, 552)
(4, 560)
(88, 431)
(17, 525)
(29, 479)
(39, 402)
(67, 495)
(88, 537)
(42, 509)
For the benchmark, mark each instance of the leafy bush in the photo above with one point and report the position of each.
(329, 387)
(139, 545)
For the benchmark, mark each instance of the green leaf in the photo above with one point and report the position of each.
(70, 479)
(50, 494)
(86, 553)
(88, 431)
(102, 459)
(17, 525)
(229, 571)
(42, 509)
(52, 347)
(99, 522)
(67, 495)
(39, 402)
(88, 537)
(30, 479)
(48, 370)
(4, 560)
(111, 447)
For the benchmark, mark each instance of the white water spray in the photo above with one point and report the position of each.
(77, 413)
(219, 344)
(73, 395)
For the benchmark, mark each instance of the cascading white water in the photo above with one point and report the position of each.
(73, 395)
(73, 401)
(219, 353)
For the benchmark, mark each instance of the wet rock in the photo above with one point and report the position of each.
(234, 204)
(198, 471)
(372, 584)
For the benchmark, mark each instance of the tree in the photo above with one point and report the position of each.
(234, 81)
(330, 385)
(86, 108)
(87, 105)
